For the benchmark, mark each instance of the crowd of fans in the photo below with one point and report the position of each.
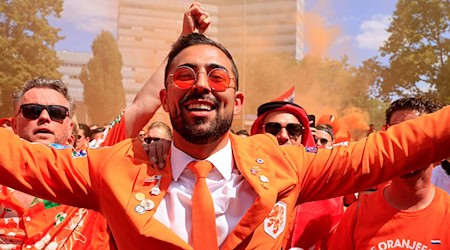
(410, 211)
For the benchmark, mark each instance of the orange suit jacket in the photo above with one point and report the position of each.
(108, 179)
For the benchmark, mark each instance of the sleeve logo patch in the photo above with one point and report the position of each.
(275, 223)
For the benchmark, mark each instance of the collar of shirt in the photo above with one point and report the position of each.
(222, 161)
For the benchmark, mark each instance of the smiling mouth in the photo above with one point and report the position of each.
(199, 107)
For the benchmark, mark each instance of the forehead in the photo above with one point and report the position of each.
(44, 96)
(323, 134)
(201, 56)
(403, 115)
(281, 117)
(157, 131)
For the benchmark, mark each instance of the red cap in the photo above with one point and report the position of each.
(288, 107)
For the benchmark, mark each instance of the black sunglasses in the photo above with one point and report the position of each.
(33, 111)
(149, 140)
(323, 141)
(294, 129)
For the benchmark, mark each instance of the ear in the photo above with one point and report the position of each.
(14, 124)
(163, 99)
(238, 102)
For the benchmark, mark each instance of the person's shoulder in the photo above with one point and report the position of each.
(257, 140)
(122, 146)
(443, 195)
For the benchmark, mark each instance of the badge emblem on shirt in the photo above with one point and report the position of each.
(275, 223)
(311, 149)
(59, 146)
(80, 153)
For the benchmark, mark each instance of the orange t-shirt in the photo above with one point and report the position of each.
(373, 224)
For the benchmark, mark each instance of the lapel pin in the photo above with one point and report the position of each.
(259, 160)
(255, 170)
(263, 179)
(147, 204)
(139, 209)
(155, 191)
(139, 196)
(156, 179)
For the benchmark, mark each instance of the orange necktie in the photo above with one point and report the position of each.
(203, 216)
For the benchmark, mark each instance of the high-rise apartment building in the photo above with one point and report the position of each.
(70, 68)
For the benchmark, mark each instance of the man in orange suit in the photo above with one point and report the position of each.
(254, 184)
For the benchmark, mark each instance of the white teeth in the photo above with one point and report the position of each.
(200, 106)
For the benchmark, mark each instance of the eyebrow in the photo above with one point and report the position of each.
(208, 66)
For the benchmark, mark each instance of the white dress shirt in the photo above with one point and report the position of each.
(231, 193)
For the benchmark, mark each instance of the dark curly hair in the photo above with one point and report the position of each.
(422, 104)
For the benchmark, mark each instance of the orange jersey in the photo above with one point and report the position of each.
(373, 224)
(114, 180)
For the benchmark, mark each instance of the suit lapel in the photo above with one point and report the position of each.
(149, 188)
(256, 168)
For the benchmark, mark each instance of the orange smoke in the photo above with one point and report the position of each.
(355, 121)
(318, 37)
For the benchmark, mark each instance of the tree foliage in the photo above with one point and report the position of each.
(418, 49)
(27, 43)
(103, 90)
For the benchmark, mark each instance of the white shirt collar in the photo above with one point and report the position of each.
(222, 161)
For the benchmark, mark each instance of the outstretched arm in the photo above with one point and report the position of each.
(146, 102)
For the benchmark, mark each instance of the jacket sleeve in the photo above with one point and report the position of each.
(405, 147)
(53, 173)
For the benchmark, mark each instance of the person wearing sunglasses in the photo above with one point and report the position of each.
(141, 136)
(323, 136)
(284, 120)
(249, 185)
(147, 101)
(158, 130)
(42, 117)
(43, 111)
(83, 136)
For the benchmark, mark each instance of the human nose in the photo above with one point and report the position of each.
(202, 81)
(283, 133)
(44, 115)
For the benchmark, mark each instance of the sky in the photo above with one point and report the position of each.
(357, 27)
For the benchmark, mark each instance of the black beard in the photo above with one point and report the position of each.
(191, 132)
